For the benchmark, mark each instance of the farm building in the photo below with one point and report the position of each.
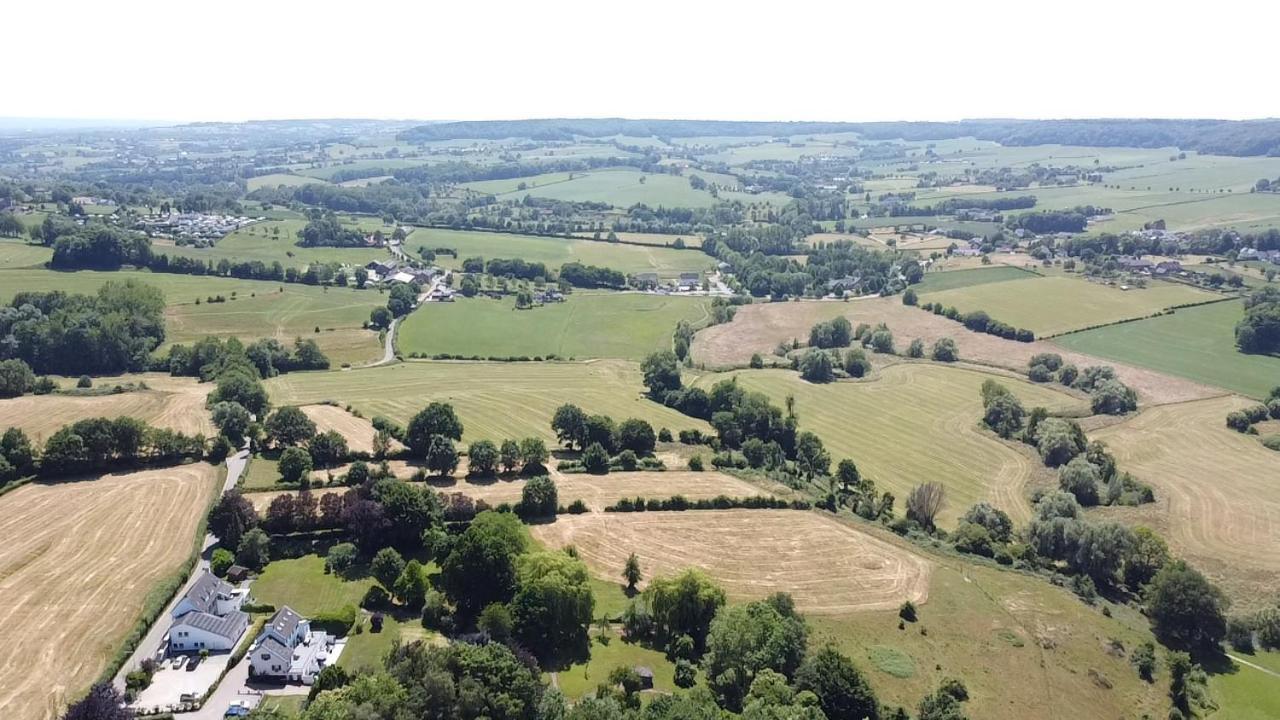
(208, 617)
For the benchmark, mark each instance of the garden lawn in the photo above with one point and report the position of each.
(1053, 305)
(301, 583)
(1197, 343)
(623, 325)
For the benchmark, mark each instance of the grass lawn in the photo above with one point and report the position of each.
(1053, 305)
(583, 678)
(368, 649)
(954, 279)
(625, 325)
(301, 583)
(262, 474)
(1247, 693)
(554, 252)
(289, 705)
(1197, 343)
(915, 422)
(493, 400)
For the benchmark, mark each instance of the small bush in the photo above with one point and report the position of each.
(695, 463)
(908, 611)
(84, 382)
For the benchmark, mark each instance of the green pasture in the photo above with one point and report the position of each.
(493, 400)
(625, 325)
(1197, 343)
(1053, 305)
(261, 241)
(955, 279)
(273, 180)
(20, 254)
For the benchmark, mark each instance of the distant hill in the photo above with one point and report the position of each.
(1220, 137)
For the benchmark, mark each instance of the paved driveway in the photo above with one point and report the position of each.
(168, 685)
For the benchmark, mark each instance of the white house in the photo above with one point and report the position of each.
(208, 617)
(287, 648)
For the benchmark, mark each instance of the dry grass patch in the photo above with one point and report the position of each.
(827, 566)
(759, 328)
(175, 403)
(358, 431)
(77, 562)
(1217, 492)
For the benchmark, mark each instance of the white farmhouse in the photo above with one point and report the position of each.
(287, 648)
(208, 617)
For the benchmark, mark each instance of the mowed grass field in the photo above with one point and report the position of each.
(19, 254)
(554, 252)
(955, 279)
(1217, 498)
(260, 241)
(1246, 692)
(1024, 648)
(625, 325)
(78, 563)
(620, 188)
(175, 403)
(1054, 305)
(1197, 343)
(493, 400)
(285, 312)
(915, 423)
(827, 566)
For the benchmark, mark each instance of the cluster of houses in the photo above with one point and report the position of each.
(686, 282)
(397, 271)
(1141, 266)
(192, 226)
(1271, 256)
(209, 617)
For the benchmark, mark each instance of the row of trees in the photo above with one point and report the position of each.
(92, 444)
(980, 321)
(1259, 330)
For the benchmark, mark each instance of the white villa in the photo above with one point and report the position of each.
(288, 649)
(208, 617)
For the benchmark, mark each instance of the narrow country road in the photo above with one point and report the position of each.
(389, 350)
(151, 641)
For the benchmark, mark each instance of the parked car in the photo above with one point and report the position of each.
(236, 709)
(177, 662)
(187, 698)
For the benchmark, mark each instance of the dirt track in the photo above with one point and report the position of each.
(828, 567)
(759, 328)
(77, 561)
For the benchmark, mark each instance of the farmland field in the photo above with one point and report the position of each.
(626, 325)
(555, 252)
(828, 567)
(955, 279)
(77, 567)
(1217, 502)
(1197, 343)
(276, 241)
(284, 312)
(19, 254)
(358, 432)
(493, 400)
(597, 491)
(916, 423)
(1036, 645)
(659, 239)
(174, 403)
(620, 188)
(760, 327)
(1054, 305)
(277, 179)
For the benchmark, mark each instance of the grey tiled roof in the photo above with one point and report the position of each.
(203, 594)
(284, 623)
(229, 626)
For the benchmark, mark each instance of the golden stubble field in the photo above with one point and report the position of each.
(174, 403)
(827, 566)
(77, 561)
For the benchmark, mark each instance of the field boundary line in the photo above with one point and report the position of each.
(1172, 309)
(1255, 666)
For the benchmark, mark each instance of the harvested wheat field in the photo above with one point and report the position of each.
(358, 431)
(77, 561)
(759, 328)
(174, 403)
(597, 491)
(828, 567)
(917, 422)
(1217, 492)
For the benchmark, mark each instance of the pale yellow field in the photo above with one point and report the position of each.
(1217, 491)
(175, 403)
(827, 566)
(77, 560)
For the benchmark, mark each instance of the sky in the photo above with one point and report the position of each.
(233, 60)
